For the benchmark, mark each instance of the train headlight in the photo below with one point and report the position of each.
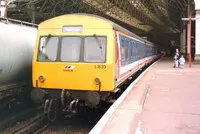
(41, 78)
(97, 81)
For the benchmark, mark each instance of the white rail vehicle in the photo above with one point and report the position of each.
(17, 40)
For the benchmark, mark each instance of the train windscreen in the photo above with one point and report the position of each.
(72, 49)
(94, 49)
(48, 49)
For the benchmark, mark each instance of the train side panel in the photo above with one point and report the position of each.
(133, 54)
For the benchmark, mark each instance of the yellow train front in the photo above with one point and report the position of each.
(81, 59)
(74, 59)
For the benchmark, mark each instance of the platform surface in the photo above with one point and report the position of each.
(165, 100)
(173, 105)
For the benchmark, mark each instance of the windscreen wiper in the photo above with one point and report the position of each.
(99, 44)
(46, 41)
(44, 45)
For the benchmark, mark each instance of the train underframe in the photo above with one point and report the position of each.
(70, 102)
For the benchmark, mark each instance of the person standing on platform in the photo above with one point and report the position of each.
(176, 61)
(182, 61)
(177, 52)
(178, 56)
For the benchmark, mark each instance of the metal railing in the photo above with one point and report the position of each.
(7, 20)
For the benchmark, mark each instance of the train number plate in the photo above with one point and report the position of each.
(100, 66)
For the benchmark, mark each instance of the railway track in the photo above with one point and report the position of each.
(14, 119)
(72, 125)
(16, 114)
(39, 124)
(34, 121)
(30, 126)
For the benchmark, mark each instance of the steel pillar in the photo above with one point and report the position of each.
(33, 13)
(197, 38)
(183, 42)
(197, 32)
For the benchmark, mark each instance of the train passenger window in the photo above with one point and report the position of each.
(143, 50)
(148, 50)
(131, 47)
(138, 51)
(122, 54)
(95, 49)
(48, 49)
(134, 50)
(122, 49)
(127, 51)
(70, 49)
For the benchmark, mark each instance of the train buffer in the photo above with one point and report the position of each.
(165, 100)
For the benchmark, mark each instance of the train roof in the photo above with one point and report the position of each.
(115, 26)
(111, 24)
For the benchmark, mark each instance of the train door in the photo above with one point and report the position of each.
(117, 59)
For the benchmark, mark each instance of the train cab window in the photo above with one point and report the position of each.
(48, 49)
(70, 49)
(95, 49)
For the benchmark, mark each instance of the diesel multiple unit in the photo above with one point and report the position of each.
(86, 58)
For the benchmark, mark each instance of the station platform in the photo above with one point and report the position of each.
(163, 100)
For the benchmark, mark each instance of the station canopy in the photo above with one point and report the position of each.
(139, 16)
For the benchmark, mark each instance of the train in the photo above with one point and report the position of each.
(17, 40)
(83, 59)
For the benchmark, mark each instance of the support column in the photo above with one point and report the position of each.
(183, 42)
(33, 13)
(197, 32)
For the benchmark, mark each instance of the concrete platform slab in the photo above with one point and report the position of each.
(172, 103)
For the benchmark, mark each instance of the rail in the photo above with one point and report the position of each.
(18, 21)
(4, 87)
